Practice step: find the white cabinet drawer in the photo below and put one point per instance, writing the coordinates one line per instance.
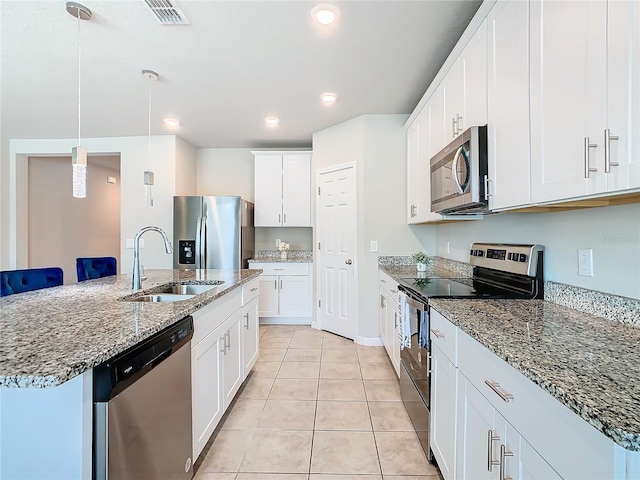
(250, 290)
(209, 317)
(389, 285)
(444, 335)
(282, 268)
(568, 443)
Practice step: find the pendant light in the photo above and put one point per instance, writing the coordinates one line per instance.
(151, 76)
(79, 153)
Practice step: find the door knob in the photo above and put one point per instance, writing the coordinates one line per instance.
(348, 262)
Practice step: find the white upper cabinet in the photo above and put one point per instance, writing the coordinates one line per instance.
(508, 105)
(419, 171)
(583, 97)
(464, 89)
(282, 189)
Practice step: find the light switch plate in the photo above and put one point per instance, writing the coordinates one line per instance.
(278, 240)
(374, 246)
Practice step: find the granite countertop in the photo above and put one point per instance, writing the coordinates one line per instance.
(588, 363)
(52, 335)
(273, 256)
(399, 271)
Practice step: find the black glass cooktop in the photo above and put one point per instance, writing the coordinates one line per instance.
(461, 288)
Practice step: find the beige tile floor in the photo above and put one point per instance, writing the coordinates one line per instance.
(316, 407)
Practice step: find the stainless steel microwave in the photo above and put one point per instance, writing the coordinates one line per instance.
(459, 174)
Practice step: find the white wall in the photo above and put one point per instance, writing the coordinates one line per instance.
(612, 232)
(62, 228)
(298, 238)
(225, 171)
(185, 168)
(377, 145)
(134, 157)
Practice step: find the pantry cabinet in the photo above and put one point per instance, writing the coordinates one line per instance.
(285, 292)
(584, 84)
(282, 189)
(508, 144)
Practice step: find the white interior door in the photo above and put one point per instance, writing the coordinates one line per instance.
(336, 233)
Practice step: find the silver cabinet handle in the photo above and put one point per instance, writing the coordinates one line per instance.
(486, 187)
(278, 269)
(437, 333)
(224, 345)
(587, 146)
(395, 319)
(490, 439)
(503, 454)
(382, 302)
(284, 218)
(280, 284)
(607, 150)
(394, 291)
(495, 386)
(275, 284)
(383, 281)
(458, 123)
(254, 289)
(246, 315)
(279, 218)
(227, 340)
(454, 127)
(348, 261)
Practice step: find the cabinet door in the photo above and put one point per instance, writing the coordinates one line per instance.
(250, 336)
(568, 97)
(394, 335)
(477, 454)
(268, 298)
(296, 190)
(268, 191)
(508, 105)
(295, 299)
(412, 170)
(442, 428)
(423, 169)
(232, 356)
(530, 466)
(452, 102)
(206, 388)
(384, 321)
(473, 76)
(437, 137)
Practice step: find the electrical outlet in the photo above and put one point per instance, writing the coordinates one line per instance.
(278, 240)
(585, 262)
(446, 246)
(374, 246)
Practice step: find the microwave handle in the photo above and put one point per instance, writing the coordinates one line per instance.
(454, 169)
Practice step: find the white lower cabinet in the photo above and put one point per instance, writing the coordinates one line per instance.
(442, 428)
(389, 319)
(224, 347)
(285, 292)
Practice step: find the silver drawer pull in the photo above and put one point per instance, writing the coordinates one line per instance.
(503, 454)
(254, 289)
(495, 386)
(490, 461)
(437, 333)
(394, 291)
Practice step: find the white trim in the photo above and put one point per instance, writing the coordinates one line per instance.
(369, 341)
(281, 152)
(286, 321)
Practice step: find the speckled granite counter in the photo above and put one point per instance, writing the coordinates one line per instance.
(50, 336)
(588, 363)
(273, 256)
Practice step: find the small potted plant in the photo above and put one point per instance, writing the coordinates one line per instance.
(422, 260)
(283, 247)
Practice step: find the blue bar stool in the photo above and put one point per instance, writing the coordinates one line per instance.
(18, 281)
(95, 267)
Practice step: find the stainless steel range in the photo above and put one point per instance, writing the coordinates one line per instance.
(500, 271)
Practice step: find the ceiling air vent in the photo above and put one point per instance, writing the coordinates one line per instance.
(166, 12)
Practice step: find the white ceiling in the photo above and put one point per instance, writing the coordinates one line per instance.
(237, 62)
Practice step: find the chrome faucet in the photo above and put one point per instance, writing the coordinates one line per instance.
(136, 283)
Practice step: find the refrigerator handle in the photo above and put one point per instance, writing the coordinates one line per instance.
(203, 242)
(199, 242)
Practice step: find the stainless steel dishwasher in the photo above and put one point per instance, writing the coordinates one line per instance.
(142, 410)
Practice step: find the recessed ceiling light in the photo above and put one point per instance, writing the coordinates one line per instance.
(171, 122)
(272, 121)
(328, 98)
(325, 14)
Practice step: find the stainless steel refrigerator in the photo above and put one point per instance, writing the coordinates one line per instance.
(212, 232)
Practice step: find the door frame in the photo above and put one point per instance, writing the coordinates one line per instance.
(317, 322)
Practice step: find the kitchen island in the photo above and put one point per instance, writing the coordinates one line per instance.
(50, 341)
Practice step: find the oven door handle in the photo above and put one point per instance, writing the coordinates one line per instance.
(413, 303)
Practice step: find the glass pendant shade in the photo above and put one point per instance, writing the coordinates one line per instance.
(79, 163)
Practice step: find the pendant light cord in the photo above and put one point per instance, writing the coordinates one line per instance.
(149, 129)
(79, 80)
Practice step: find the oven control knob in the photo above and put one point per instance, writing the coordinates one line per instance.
(523, 257)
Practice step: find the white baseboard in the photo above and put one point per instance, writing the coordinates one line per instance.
(285, 321)
(369, 341)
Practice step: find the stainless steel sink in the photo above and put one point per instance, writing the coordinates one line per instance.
(189, 289)
(164, 297)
